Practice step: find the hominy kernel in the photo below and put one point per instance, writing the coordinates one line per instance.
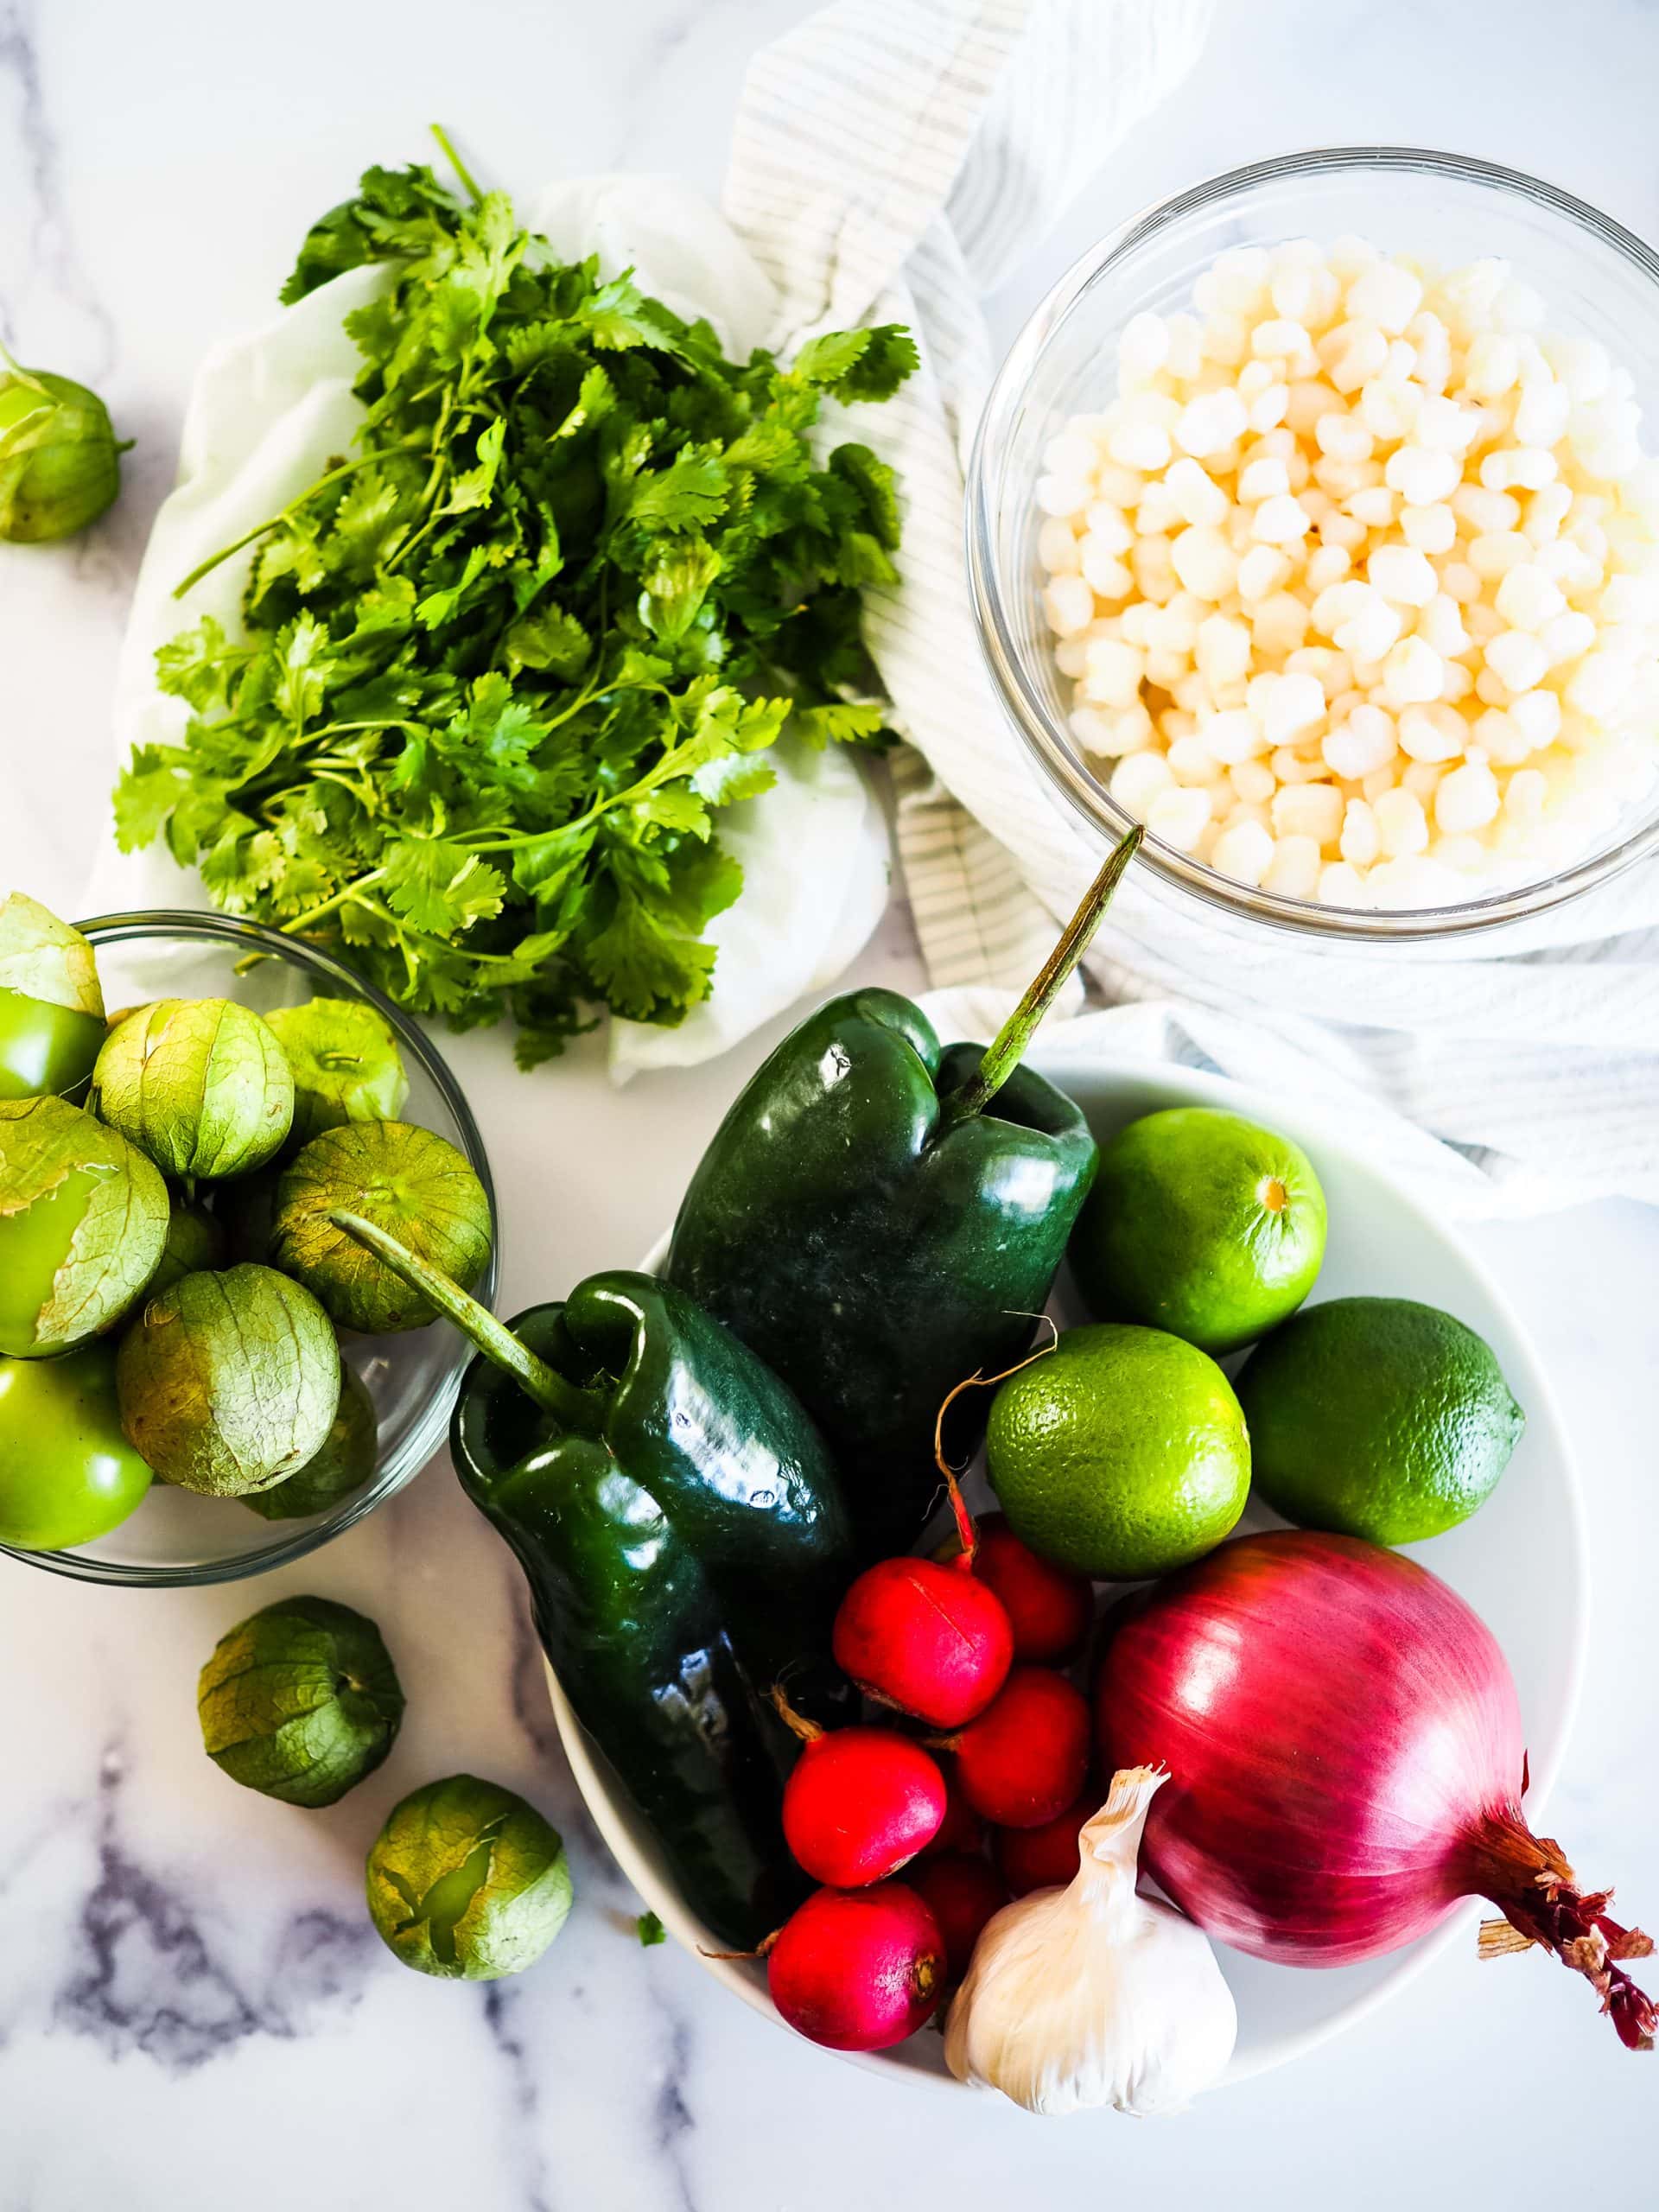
(1069, 605)
(1064, 495)
(1179, 817)
(1294, 872)
(1402, 576)
(1253, 781)
(1113, 673)
(1568, 636)
(1058, 548)
(1106, 575)
(1342, 885)
(1326, 565)
(1144, 346)
(1244, 850)
(1308, 810)
(1138, 779)
(1430, 529)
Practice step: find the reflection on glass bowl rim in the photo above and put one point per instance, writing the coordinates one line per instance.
(175, 1538)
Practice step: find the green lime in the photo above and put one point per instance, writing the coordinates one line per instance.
(1122, 1453)
(1203, 1224)
(1377, 1417)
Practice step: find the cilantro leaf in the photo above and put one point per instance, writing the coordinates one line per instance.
(691, 490)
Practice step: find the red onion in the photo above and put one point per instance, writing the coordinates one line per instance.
(1345, 1761)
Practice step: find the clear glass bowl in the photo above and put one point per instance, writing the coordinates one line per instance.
(1597, 280)
(176, 1537)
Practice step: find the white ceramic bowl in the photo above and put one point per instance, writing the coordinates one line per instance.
(1520, 1562)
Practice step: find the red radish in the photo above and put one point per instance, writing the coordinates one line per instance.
(1025, 1757)
(1049, 1607)
(859, 1803)
(961, 1829)
(1346, 1763)
(961, 1892)
(857, 1969)
(1044, 1857)
(925, 1635)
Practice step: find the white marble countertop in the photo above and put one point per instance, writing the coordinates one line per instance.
(193, 2012)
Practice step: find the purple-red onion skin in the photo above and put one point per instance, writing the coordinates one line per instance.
(1338, 1724)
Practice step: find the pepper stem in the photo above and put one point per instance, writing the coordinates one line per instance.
(577, 1408)
(1006, 1050)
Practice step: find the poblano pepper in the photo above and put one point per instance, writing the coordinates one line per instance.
(680, 1523)
(877, 1217)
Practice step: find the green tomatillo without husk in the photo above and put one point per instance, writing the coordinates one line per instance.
(344, 1464)
(407, 1181)
(200, 1084)
(68, 1475)
(60, 460)
(229, 1382)
(300, 1702)
(345, 1065)
(51, 1007)
(83, 1221)
(467, 1881)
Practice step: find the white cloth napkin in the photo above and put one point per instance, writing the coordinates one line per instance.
(894, 159)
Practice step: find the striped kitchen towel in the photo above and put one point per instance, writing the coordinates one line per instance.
(892, 160)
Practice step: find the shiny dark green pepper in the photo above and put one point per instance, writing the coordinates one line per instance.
(685, 1538)
(877, 1231)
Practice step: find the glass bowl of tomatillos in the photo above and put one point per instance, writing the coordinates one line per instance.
(203, 1375)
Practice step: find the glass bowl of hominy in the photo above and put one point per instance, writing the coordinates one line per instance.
(1313, 522)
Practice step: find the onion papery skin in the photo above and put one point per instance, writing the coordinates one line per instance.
(1343, 1737)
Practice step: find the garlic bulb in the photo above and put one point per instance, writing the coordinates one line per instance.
(1093, 1995)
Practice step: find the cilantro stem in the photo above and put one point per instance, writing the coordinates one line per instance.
(331, 476)
(340, 897)
(455, 162)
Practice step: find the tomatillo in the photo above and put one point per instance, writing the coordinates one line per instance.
(68, 1475)
(51, 1007)
(83, 1221)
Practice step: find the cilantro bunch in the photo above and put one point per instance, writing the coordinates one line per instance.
(503, 664)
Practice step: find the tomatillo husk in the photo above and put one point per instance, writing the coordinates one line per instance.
(199, 1084)
(405, 1180)
(83, 1222)
(344, 1464)
(467, 1881)
(300, 1702)
(59, 460)
(229, 1382)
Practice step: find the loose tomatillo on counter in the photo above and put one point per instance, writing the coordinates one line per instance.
(877, 1218)
(678, 1520)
